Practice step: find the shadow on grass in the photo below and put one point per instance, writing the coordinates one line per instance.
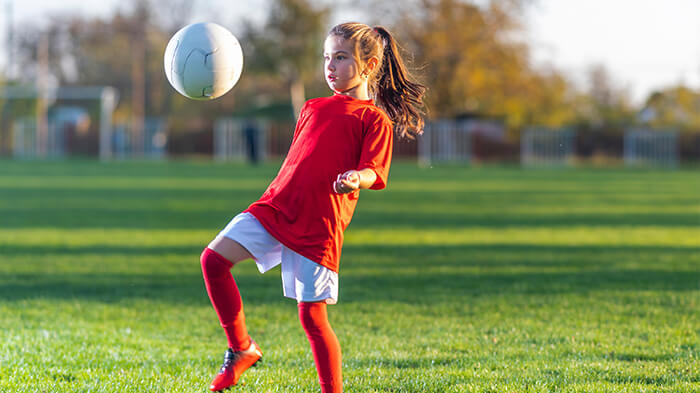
(639, 357)
(406, 363)
(212, 214)
(60, 250)
(441, 220)
(407, 274)
(182, 289)
(355, 257)
(496, 255)
(190, 208)
(654, 380)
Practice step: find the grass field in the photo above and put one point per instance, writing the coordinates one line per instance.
(452, 280)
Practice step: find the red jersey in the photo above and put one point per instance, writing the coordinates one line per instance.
(333, 135)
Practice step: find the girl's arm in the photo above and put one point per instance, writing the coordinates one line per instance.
(353, 180)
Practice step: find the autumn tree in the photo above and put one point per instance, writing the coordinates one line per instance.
(289, 45)
(605, 103)
(677, 106)
(473, 61)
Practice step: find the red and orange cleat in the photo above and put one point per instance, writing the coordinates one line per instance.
(235, 363)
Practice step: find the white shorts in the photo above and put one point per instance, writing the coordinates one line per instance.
(302, 278)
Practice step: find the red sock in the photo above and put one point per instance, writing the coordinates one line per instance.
(324, 345)
(225, 298)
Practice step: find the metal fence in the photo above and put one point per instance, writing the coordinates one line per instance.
(240, 139)
(646, 147)
(155, 139)
(445, 141)
(71, 130)
(546, 147)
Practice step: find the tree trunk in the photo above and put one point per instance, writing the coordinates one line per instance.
(296, 90)
(42, 107)
(138, 93)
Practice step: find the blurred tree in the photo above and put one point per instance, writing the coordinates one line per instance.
(604, 102)
(288, 45)
(136, 30)
(112, 51)
(677, 106)
(473, 60)
(471, 54)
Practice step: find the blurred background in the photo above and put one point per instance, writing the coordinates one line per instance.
(527, 82)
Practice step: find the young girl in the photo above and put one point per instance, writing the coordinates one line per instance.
(341, 144)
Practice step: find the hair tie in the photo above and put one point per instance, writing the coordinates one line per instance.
(385, 41)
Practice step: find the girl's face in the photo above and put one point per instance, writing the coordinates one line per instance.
(342, 70)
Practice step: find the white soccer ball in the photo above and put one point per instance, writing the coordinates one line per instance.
(203, 61)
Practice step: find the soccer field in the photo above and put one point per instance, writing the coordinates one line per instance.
(452, 280)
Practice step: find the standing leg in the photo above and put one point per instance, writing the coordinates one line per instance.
(324, 345)
(217, 260)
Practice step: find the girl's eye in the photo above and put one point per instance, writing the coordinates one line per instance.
(340, 57)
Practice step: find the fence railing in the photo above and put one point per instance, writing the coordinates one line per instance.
(646, 147)
(546, 147)
(444, 141)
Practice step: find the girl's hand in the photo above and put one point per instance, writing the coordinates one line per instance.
(347, 182)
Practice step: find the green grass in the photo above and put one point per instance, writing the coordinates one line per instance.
(452, 280)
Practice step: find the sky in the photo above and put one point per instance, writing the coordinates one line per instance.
(645, 44)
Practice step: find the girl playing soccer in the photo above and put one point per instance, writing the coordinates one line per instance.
(341, 144)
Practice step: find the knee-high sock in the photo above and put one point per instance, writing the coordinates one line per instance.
(225, 298)
(324, 345)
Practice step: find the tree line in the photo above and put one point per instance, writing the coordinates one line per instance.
(470, 55)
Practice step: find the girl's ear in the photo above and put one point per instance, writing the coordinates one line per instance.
(371, 65)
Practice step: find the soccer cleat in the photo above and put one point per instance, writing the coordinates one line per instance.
(235, 363)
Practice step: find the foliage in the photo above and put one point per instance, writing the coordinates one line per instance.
(471, 54)
(473, 62)
(604, 104)
(677, 107)
(289, 45)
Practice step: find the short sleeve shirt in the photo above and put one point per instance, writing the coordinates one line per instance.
(333, 135)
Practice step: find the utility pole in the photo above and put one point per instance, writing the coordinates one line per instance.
(7, 76)
(138, 78)
(42, 124)
(10, 40)
(138, 81)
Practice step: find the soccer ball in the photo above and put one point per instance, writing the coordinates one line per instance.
(203, 61)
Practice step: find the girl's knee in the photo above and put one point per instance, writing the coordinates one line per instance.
(313, 316)
(214, 264)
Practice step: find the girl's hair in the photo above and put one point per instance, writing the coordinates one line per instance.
(390, 82)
